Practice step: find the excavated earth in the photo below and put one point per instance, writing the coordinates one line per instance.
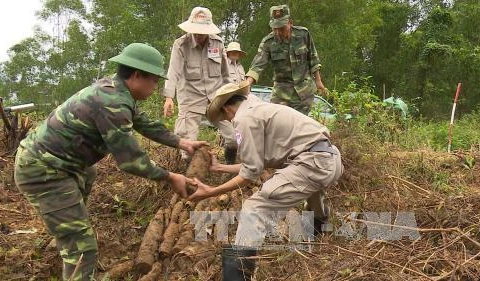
(441, 191)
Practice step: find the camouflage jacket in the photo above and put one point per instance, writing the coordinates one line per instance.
(294, 63)
(98, 120)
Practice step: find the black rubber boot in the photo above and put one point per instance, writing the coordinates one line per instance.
(321, 226)
(236, 265)
(230, 155)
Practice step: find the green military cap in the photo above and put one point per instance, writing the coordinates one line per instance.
(279, 16)
(142, 57)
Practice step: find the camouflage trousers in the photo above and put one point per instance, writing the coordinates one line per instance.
(60, 199)
(295, 102)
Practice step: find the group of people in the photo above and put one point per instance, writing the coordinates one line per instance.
(55, 164)
(199, 65)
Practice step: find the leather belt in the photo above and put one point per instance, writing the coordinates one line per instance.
(323, 146)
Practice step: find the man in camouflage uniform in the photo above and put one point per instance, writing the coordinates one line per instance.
(198, 67)
(54, 166)
(295, 61)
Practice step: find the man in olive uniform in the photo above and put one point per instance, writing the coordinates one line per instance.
(296, 66)
(234, 55)
(198, 67)
(270, 136)
(54, 166)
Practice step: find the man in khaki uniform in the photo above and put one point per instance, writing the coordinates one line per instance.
(198, 67)
(235, 54)
(270, 136)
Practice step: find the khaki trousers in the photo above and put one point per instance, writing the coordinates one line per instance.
(187, 125)
(307, 177)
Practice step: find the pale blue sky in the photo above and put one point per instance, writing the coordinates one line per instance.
(17, 19)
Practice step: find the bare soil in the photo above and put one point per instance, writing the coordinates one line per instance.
(442, 190)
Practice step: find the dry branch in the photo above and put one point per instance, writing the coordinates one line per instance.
(385, 261)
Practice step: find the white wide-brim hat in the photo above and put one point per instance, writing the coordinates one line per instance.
(200, 22)
(235, 46)
(222, 95)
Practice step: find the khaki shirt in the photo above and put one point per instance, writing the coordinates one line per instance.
(237, 73)
(270, 135)
(195, 73)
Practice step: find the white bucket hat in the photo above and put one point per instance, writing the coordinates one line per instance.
(235, 46)
(200, 22)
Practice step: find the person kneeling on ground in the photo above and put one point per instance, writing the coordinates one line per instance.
(270, 136)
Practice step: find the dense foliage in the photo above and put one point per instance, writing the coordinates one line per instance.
(418, 50)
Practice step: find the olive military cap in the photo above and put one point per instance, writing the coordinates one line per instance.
(279, 16)
(142, 57)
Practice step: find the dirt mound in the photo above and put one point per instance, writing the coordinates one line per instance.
(439, 189)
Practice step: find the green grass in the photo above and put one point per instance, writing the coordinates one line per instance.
(371, 119)
(209, 134)
(434, 134)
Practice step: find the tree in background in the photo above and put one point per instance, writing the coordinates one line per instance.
(418, 49)
(26, 74)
